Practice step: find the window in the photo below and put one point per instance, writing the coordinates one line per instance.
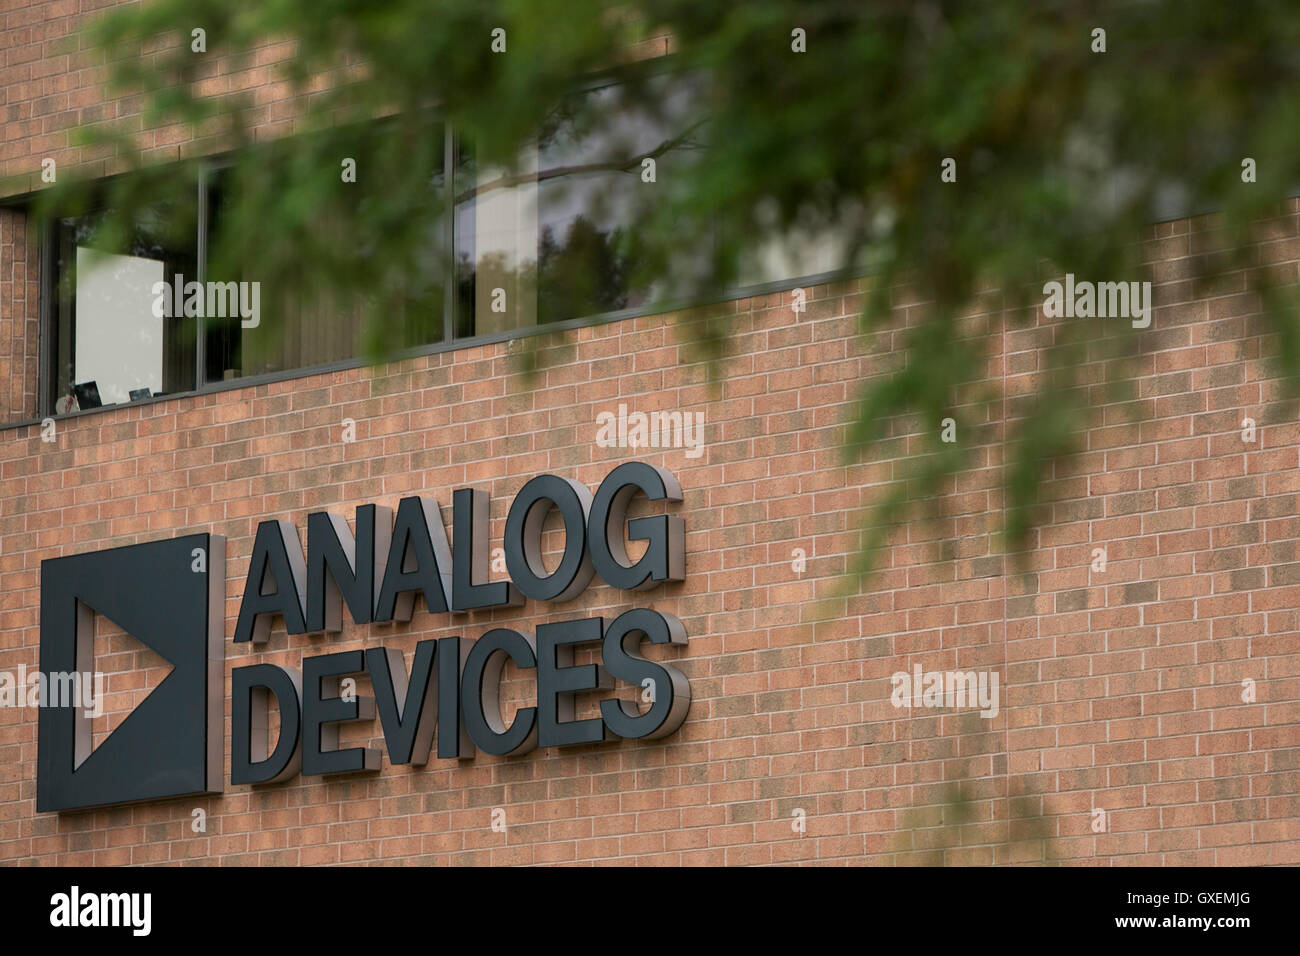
(110, 342)
(814, 249)
(155, 307)
(346, 231)
(544, 241)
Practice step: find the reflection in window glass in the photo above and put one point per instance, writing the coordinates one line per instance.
(545, 241)
(799, 252)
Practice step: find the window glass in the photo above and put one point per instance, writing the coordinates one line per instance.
(332, 291)
(800, 251)
(542, 239)
(116, 337)
(545, 240)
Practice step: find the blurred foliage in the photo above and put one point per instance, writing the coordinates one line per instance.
(1063, 156)
(958, 824)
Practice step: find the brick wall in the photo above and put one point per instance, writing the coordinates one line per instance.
(19, 315)
(52, 83)
(1120, 690)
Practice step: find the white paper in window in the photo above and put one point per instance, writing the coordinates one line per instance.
(119, 339)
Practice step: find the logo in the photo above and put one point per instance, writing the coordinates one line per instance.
(656, 429)
(211, 300)
(169, 595)
(1102, 300)
(446, 701)
(947, 689)
(75, 908)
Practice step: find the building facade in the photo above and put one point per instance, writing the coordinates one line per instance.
(1134, 687)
